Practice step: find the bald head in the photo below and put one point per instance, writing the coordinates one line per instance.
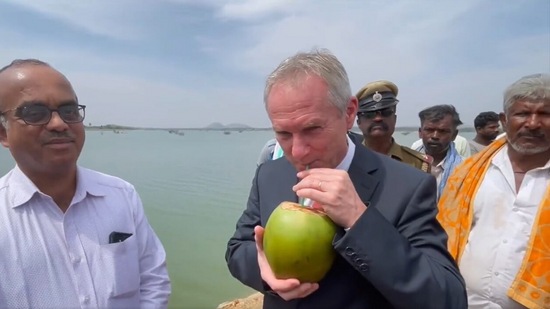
(22, 74)
(23, 62)
(4, 73)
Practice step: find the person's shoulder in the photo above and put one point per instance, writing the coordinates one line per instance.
(416, 144)
(96, 178)
(266, 153)
(418, 155)
(475, 147)
(460, 139)
(415, 154)
(270, 143)
(4, 180)
(475, 144)
(421, 160)
(394, 167)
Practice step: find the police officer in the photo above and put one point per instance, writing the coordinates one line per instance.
(376, 118)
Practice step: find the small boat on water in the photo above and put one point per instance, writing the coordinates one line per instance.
(226, 132)
(177, 132)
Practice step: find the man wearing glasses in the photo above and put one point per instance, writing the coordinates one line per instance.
(70, 237)
(376, 118)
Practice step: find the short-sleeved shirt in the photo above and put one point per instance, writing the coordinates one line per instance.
(475, 147)
(52, 259)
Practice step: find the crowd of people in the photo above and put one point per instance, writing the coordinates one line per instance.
(445, 223)
(439, 148)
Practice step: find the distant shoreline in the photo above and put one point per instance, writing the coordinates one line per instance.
(123, 128)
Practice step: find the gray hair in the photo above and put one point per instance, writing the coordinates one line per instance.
(319, 62)
(533, 88)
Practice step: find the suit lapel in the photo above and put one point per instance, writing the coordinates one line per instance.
(363, 173)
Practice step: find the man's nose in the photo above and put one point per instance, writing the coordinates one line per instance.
(534, 121)
(300, 148)
(56, 123)
(378, 116)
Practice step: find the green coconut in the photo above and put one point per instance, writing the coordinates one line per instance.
(298, 242)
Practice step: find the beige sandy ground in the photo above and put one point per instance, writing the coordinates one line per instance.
(253, 301)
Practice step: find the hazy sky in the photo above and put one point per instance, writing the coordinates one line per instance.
(188, 63)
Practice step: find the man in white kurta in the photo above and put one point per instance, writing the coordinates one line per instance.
(496, 204)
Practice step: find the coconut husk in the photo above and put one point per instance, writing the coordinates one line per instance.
(254, 301)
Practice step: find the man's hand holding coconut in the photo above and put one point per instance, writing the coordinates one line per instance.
(335, 196)
(287, 289)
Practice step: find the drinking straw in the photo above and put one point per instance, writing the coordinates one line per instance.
(303, 200)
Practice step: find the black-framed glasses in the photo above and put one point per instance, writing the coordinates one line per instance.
(385, 113)
(38, 114)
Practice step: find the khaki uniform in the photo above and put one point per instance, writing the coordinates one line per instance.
(410, 157)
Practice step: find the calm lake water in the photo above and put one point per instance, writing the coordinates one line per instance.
(194, 188)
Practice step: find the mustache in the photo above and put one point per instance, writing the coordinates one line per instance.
(534, 134)
(58, 135)
(434, 144)
(379, 125)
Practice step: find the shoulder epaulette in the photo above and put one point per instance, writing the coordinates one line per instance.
(427, 160)
(417, 154)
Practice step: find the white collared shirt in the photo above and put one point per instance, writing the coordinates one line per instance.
(437, 170)
(51, 259)
(502, 225)
(346, 162)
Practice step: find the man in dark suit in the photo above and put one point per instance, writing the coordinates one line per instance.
(391, 251)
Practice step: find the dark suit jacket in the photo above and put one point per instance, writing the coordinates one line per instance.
(395, 255)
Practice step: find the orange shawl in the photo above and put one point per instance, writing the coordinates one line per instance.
(531, 287)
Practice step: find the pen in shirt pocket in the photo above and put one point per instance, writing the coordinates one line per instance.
(115, 237)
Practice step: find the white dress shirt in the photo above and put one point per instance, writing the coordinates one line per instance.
(346, 162)
(437, 171)
(51, 259)
(503, 220)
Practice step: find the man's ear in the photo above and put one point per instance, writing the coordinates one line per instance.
(419, 130)
(351, 112)
(4, 136)
(503, 121)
